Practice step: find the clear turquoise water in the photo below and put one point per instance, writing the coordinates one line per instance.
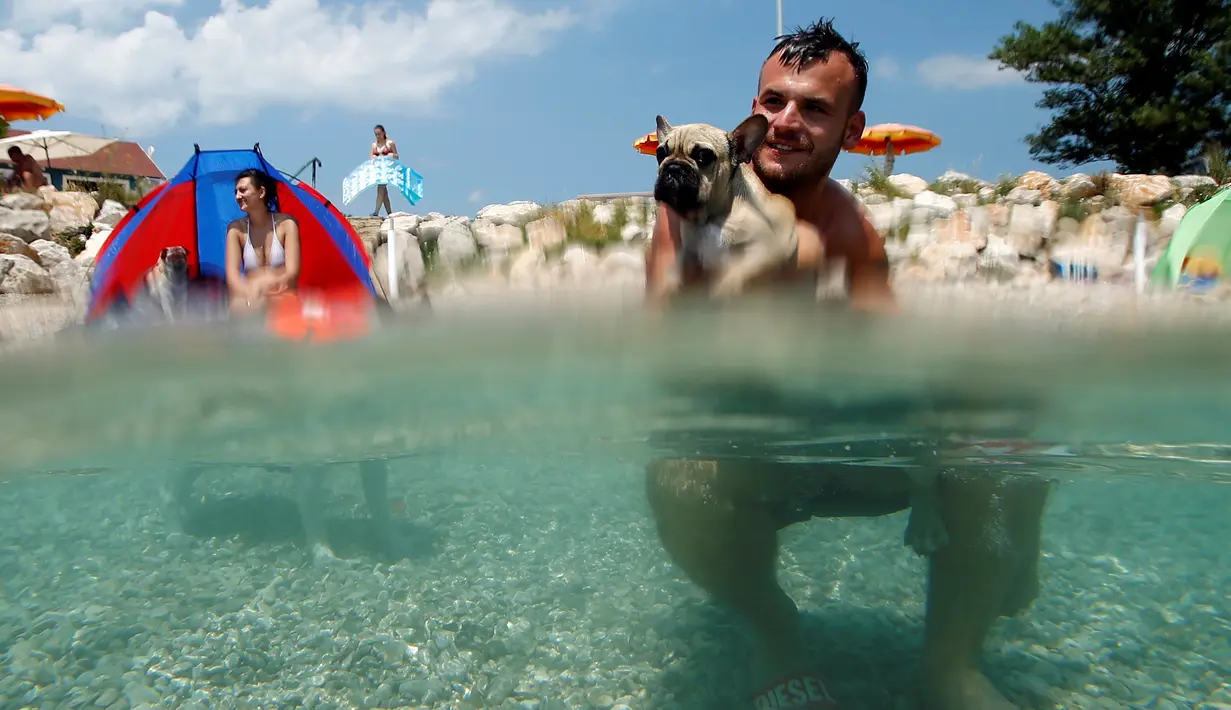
(534, 577)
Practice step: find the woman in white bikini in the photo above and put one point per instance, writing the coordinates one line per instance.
(383, 146)
(262, 248)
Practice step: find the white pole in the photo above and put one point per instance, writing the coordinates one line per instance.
(1139, 254)
(391, 251)
(779, 19)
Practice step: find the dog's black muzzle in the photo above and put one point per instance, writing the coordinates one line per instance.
(679, 186)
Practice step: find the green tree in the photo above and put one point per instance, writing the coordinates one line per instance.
(1144, 83)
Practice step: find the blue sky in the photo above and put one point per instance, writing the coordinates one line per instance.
(500, 100)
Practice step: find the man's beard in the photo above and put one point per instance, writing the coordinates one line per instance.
(812, 172)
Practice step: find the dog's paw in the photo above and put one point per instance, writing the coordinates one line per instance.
(925, 529)
(727, 286)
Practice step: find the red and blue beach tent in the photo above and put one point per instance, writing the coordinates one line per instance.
(193, 210)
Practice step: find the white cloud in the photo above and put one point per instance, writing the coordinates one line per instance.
(35, 15)
(957, 71)
(886, 68)
(477, 196)
(373, 56)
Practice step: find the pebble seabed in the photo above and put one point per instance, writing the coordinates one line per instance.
(524, 589)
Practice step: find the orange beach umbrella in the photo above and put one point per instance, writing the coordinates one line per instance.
(21, 105)
(891, 139)
(647, 144)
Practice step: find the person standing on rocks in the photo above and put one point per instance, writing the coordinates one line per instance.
(719, 519)
(381, 147)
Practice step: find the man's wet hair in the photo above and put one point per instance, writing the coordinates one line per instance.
(817, 42)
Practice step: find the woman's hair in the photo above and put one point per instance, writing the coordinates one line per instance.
(382, 128)
(262, 179)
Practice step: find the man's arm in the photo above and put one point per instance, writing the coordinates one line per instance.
(867, 267)
(661, 254)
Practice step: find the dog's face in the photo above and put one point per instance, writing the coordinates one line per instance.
(175, 260)
(696, 160)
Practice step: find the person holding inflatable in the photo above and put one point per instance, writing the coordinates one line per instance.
(262, 253)
(381, 147)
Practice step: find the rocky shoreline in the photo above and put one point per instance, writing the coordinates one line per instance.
(965, 238)
(955, 231)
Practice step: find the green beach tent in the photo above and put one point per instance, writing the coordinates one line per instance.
(1203, 234)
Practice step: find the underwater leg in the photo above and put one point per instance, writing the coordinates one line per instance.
(176, 494)
(727, 544)
(994, 524)
(374, 475)
(310, 495)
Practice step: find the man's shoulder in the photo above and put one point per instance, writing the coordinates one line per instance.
(847, 211)
(839, 214)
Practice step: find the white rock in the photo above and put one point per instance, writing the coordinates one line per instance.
(72, 279)
(492, 237)
(109, 215)
(514, 213)
(50, 252)
(1024, 196)
(633, 231)
(578, 262)
(1192, 182)
(68, 219)
(1077, 186)
(603, 213)
(909, 184)
(951, 178)
(23, 201)
(526, 268)
(936, 205)
(21, 275)
(623, 259)
(1170, 220)
(29, 225)
(1026, 229)
(966, 201)
(455, 244)
(92, 246)
(999, 259)
(434, 224)
(408, 260)
(545, 233)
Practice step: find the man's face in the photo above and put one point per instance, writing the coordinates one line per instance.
(808, 117)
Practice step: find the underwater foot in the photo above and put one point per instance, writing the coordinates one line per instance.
(323, 558)
(783, 676)
(966, 690)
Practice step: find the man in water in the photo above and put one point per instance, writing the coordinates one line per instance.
(719, 519)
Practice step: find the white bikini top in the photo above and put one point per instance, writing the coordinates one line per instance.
(277, 257)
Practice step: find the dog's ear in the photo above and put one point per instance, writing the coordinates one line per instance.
(663, 128)
(163, 255)
(747, 137)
